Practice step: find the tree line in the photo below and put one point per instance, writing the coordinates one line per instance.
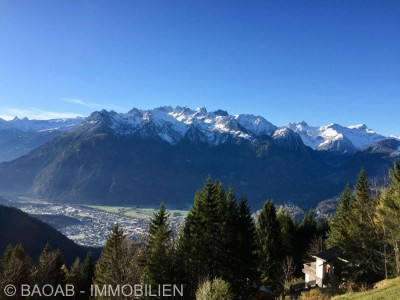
(16, 268)
(221, 244)
(226, 252)
(366, 227)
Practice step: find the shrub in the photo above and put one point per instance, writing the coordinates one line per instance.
(216, 289)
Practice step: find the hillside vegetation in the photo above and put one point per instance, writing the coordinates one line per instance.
(389, 290)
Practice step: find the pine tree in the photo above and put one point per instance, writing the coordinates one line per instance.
(287, 231)
(202, 231)
(203, 243)
(116, 265)
(306, 231)
(246, 265)
(158, 250)
(339, 234)
(230, 216)
(388, 215)
(87, 273)
(74, 276)
(159, 219)
(50, 268)
(269, 247)
(6, 255)
(363, 245)
(16, 268)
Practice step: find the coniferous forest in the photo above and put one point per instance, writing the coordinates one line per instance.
(226, 252)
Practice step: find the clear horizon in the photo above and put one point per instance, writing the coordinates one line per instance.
(322, 63)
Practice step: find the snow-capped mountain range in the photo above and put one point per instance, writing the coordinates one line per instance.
(27, 125)
(172, 124)
(150, 156)
(334, 137)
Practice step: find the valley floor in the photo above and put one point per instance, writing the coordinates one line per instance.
(90, 225)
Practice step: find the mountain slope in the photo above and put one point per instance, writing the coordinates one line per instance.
(101, 161)
(146, 157)
(19, 136)
(17, 227)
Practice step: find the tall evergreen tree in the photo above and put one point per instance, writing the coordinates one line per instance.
(388, 214)
(304, 233)
(116, 265)
(50, 268)
(287, 231)
(363, 244)
(74, 276)
(87, 273)
(160, 219)
(158, 252)
(16, 269)
(81, 275)
(339, 234)
(269, 247)
(246, 244)
(209, 246)
(230, 216)
(203, 234)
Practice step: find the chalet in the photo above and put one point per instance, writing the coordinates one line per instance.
(317, 272)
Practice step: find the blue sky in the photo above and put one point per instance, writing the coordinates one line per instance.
(318, 61)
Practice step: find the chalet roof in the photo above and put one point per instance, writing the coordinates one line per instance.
(329, 254)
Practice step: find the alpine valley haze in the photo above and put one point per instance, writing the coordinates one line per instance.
(145, 157)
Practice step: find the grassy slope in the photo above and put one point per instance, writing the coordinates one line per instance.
(388, 291)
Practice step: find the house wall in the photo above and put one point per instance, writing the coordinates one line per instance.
(320, 271)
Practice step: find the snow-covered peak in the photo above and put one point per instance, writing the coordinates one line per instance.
(333, 137)
(358, 126)
(282, 132)
(394, 137)
(288, 138)
(255, 124)
(27, 125)
(172, 124)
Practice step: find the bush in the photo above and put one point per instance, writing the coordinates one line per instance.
(216, 289)
(314, 294)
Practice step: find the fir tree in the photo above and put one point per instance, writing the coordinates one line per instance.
(269, 247)
(203, 234)
(16, 268)
(339, 234)
(74, 276)
(246, 244)
(287, 231)
(158, 252)
(363, 244)
(388, 215)
(206, 239)
(159, 219)
(116, 265)
(230, 216)
(87, 273)
(305, 232)
(50, 268)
